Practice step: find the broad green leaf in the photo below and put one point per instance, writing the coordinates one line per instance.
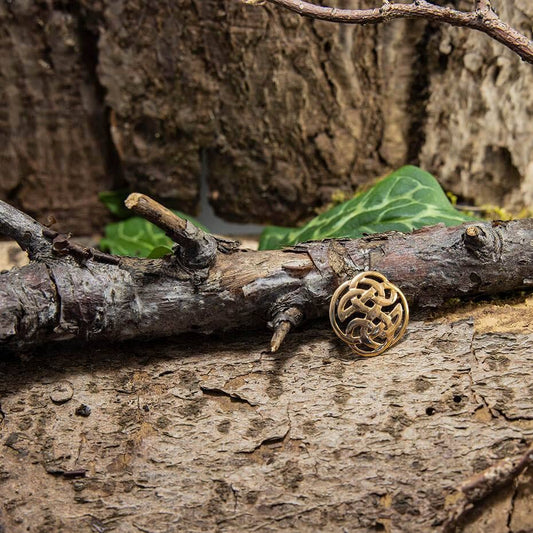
(159, 252)
(139, 238)
(134, 237)
(273, 237)
(407, 199)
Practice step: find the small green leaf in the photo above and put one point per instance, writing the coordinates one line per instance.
(407, 199)
(159, 252)
(114, 201)
(134, 237)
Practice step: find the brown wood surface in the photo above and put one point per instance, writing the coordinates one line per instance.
(217, 434)
(220, 434)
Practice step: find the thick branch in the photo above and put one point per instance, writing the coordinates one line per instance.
(483, 19)
(62, 297)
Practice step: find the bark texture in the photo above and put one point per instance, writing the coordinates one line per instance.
(479, 112)
(217, 435)
(288, 110)
(55, 150)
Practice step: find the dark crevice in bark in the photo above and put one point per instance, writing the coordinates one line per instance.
(501, 413)
(57, 294)
(269, 441)
(88, 34)
(511, 508)
(419, 94)
(232, 396)
(477, 395)
(323, 63)
(380, 119)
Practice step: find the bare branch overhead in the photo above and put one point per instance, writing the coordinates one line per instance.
(482, 19)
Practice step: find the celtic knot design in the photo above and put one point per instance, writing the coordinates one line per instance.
(369, 313)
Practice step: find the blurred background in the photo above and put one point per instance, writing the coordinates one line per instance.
(251, 112)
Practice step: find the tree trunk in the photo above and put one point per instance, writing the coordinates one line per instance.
(478, 119)
(56, 153)
(287, 110)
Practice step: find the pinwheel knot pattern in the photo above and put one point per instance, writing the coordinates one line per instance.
(369, 313)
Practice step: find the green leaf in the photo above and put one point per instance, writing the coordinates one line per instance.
(134, 237)
(139, 238)
(407, 199)
(114, 201)
(159, 252)
(273, 237)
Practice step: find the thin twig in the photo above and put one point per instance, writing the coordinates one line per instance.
(281, 331)
(41, 242)
(482, 19)
(485, 483)
(283, 320)
(164, 218)
(197, 249)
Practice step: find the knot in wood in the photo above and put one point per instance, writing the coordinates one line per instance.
(483, 242)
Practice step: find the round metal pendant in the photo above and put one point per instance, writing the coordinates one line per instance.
(369, 313)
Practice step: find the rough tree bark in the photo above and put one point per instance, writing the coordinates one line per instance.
(480, 146)
(55, 149)
(219, 435)
(337, 105)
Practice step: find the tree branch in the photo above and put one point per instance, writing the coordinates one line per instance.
(483, 19)
(59, 297)
(196, 249)
(483, 484)
(25, 230)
